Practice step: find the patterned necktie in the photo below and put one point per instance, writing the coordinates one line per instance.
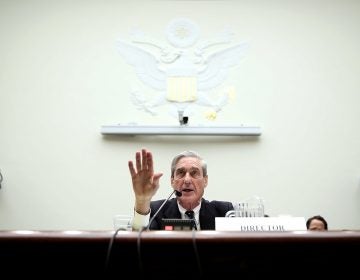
(190, 215)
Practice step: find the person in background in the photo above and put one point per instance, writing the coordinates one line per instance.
(316, 223)
(189, 177)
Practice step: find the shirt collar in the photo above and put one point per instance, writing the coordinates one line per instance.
(183, 210)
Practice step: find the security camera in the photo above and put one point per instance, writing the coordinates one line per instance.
(182, 119)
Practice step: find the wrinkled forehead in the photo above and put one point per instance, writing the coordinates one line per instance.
(188, 162)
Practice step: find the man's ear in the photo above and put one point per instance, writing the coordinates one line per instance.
(206, 181)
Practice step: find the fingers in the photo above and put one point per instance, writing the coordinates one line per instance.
(150, 164)
(144, 162)
(138, 161)
(131, 168)
(156, 178)
(144, 159)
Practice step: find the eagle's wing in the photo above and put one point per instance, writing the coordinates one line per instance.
(217, 66)
(146, 65)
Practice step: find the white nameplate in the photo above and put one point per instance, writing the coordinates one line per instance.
(260, 224)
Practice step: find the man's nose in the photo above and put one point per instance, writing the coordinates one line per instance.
(187, 178)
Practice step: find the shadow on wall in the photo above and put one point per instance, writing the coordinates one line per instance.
(1, 178)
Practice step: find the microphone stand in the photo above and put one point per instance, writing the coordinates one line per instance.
(178, 194)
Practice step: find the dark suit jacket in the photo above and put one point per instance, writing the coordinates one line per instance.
(208, 211)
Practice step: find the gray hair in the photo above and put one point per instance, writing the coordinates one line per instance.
(188, 154)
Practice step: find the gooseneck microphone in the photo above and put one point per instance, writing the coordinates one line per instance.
(177, 193)
(107, 262)
(141, 270)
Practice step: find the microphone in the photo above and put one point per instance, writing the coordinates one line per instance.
(177, 193)
(107, 262)
(141, 269)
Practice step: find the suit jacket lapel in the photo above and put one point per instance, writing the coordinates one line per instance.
(172, 211)
(207, 216)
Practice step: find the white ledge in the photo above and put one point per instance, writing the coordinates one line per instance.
(181, 130)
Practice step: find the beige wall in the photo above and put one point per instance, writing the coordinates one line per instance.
(61, 79)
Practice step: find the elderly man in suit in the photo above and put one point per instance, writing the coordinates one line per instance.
(189, 179)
